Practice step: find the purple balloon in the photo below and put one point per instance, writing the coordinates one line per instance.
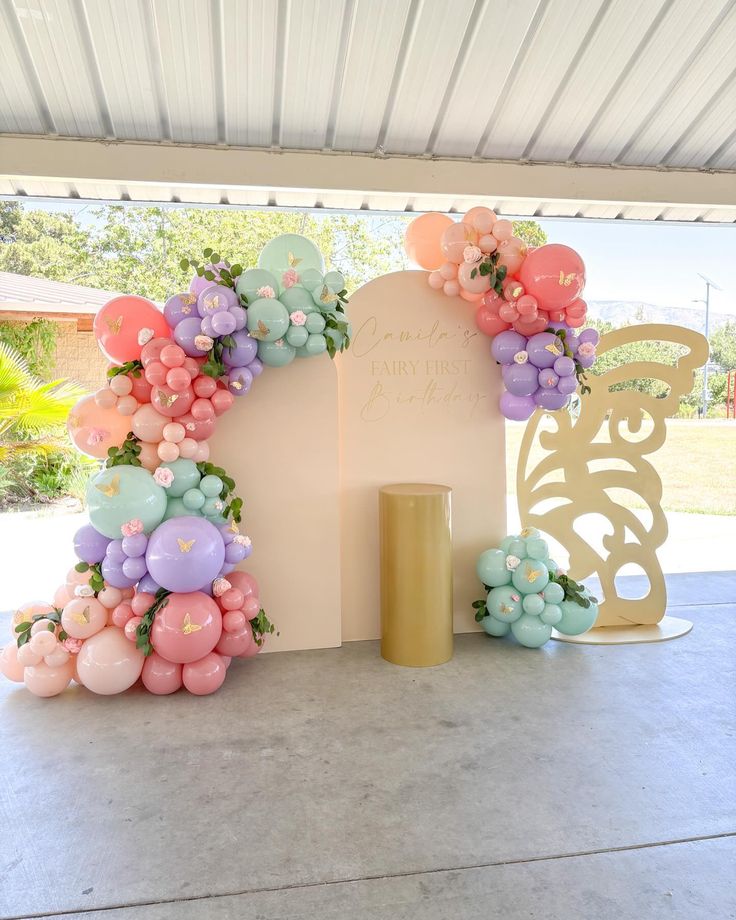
(572, 341)
(239, 381)
(244, 351)
(206, 326)
(516, 408)
(135, 567)
(255, 367)
(506, 344)
(234, 553)
(135, 545)
(115, 552)
(241, 317)
(114, 575)
(520, 379)
(547, 378)
(543, 349)
(186, 332)
(216, 297)
(551, 400)
(585, 361)
(226, 532)
(178, 308)
(568, 384)
(90, 544)
(223, 323)
(148, 585)
(589, 335)
(564, 366)
(199, 283)
(226, 569)
(185, 553)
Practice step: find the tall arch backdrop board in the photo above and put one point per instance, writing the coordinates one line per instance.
(418, 398)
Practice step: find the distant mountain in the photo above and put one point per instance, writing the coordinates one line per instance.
(621, 312)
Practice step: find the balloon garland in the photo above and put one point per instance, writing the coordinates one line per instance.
(528, 299)
(155, 594)
(527, 594)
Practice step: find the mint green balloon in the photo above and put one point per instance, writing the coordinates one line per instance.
(290, 251)
(175, 507)
(309, 278)
(554, 593)
(296, 298)
(495, 627)
(335, 281)
(316, 344)
(530, 576)
(337, 338)
(253, 279)
(531, 631)
(268, 319)
(186, 477)
(302, 352)
(193, 499)
(504, 603)
(217, 519)
(297, 336)
(211, 507)
(533, 604)
(210, 487)
(551, 615)
(121, 493)
(276, 354)
(491, 568)
(537, 548)
(315, 323)
(577, 619)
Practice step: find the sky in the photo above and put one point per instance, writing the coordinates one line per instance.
(652, 262)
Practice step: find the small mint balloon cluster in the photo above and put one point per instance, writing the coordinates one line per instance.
(527, 595)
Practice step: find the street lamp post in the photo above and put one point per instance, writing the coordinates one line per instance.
(708, 285)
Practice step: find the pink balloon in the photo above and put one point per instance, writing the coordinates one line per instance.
(178, 379)
(168, 451)
(236, 643)
(448, 271)
(233, 621)
(131, 627)
(199, 430)
(232, 599)
(148, 424)
(527, 305)
(508, 312)
(251, 606)
(121, 614)
(511, 256)
(202, 410)
(480, 218)
(108, 663)
(435, 280)
(156, 374)
(469, 276)
(451, 288)
(578, 308)
(169, 403)
(118, 324)
(141, 389)
(110, 597)
(575, 322)
(221, 400)
(205, 386)
(160, 676)
(528, 327)
(205, 675)
(245, 582)
(10, 667)
(554, 274)
(512, 289)
(489, 322)
(44, 680)
(151, 351)
(105, 398)
(454, 240)
(82, 617)
(95, 430)
(187, 628)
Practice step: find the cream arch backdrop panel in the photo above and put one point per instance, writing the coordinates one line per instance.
(419, 397)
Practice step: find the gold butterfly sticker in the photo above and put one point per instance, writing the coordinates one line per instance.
(185, 545)
(109, 488)
(293, 261)
(83, 617)
(261, 332)
(214, 302)
(233, 528)
(114, 325)
(553, 348)
(188, 299)
(166, 400)
(187, 627)
(566, 280)
(74, 422)
(327, 296)
(531, 574)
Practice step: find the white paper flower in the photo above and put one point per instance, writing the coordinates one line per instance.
(83, 591)
(521, 357)
(242, 540)
(145, 336)
(472, 254)
(220, 586)
(512, 562)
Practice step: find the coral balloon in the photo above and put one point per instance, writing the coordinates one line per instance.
(236, 643)
(422, 239)
(108, 663)
(488, 321)
(554, 274)
(187, 628)
(117, 327)
(94, 430)
(204, 676)
(160, 676)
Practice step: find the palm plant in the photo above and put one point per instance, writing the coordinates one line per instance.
(31, 415)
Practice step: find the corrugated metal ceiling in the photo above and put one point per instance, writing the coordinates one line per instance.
(614, 82)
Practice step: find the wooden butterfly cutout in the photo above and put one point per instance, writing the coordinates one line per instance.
(166, 400)
(185, 545)
(293, 261)
(187, 627)
(114, 325)
(261, 332)
(566, 280)
(109, 488)
(82, 618)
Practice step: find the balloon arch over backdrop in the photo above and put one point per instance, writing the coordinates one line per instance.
(156, 594)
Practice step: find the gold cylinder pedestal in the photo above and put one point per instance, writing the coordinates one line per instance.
(416, 574)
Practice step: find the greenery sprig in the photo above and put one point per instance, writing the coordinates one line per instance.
(143, 632)
(134, 368)
(233, 504)
(573, 590)
(214, 366)
(96, 581)
(579, 369)
(23, 630)
(480, 608)
(262, 626)
(488, 265)
(337, 321)
(126, 454)
(227, 275)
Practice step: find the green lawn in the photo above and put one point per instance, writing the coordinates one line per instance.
(697, 465)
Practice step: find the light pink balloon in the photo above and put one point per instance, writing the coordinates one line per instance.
(435, 280)
(82, 617)
(148, 424)
(160, 676)
(188, 448)
(448, 271)
(482, 219)
(44, 680)
(43, 643)
(110, 597)
(10, 667)
(27, 657)
(168, 451)
(469, 276)
(205, 675)
(187, 628)
(451, 288)
(62, 596)
(57, 657)
(174, 432)
(471, 298)
(107, 663)
(105, 398)
(120, 385)
(127, 405)
(202, 453)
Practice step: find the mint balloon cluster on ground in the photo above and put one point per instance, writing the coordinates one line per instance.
(528, 595)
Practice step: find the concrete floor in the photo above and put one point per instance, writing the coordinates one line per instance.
(573, 782)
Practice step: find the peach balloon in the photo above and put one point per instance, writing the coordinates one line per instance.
(105, 398)
(469, 276)
(82, 617)
(149, 456)
(43, 643)
(470, 297)
(74, 578)
(10, 667)
(503, 230)
(451, 288)
(160, 676)
(188, 448)
(43, 680)
(40, 626)
(435, 280)
(482, 219)
(118, 324)
(510, 256)
(57, 656)
(27, 611)
(27, 657)
(110, 597)
(487, 243)
(448, 270)
(62, 596)
(148, 424)
(204, 676)
(422, 239)
(454, 240)
(108, 663)
(94, 430)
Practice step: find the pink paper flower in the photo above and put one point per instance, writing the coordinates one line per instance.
(72, 646)
(298, 318)
(586, 349)
(132, 527)
(289, 278)
(220, 586)
(97, 435)
(163, 476)
(203, 342)
(472, 254)
(266, 291)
